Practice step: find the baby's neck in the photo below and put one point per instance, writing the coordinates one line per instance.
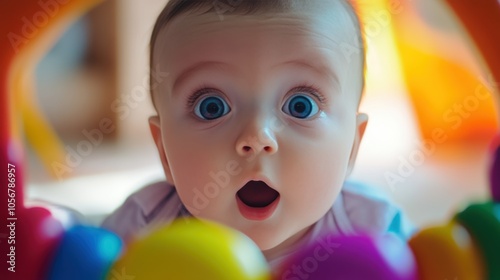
(286, 247)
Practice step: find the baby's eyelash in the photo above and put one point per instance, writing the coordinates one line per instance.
(308, 88)
(197, 94)
(313, 90)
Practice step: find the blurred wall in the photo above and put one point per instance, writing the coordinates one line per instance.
(135, 21)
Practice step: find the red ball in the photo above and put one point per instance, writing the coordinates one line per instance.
(38, 234)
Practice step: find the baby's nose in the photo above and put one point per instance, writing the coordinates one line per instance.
(256, 141)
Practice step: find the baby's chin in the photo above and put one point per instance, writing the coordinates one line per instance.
(276, 243)
(267, 242)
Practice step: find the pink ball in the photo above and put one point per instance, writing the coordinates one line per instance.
(38, 234)
(352, 257)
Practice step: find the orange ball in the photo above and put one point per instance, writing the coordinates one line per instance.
(447, 252)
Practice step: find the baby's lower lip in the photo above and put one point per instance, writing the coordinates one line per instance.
(257, 213)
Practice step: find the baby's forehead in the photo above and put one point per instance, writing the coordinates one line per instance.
(336, 17)
(332, 22)
(332, 25)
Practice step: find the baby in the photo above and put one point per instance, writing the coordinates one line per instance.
(258, 123)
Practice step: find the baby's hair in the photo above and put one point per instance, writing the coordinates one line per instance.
(239, 7)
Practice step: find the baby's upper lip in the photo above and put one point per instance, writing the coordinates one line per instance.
(258, 177)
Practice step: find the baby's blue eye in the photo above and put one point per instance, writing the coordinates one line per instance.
(211, 108)
(300, 106)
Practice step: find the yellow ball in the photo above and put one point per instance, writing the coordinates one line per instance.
(447, 252)
(193, 249)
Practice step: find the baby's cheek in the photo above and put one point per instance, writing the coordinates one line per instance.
(313, 196)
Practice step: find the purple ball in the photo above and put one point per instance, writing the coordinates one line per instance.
(352, 257)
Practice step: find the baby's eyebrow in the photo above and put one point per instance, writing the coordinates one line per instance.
(213, 65)
(321, 69)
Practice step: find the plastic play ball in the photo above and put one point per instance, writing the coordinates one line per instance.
(192, 249)
(38, 234)
(447, 252)
(85, 253)
(352, 257)
(483, 223)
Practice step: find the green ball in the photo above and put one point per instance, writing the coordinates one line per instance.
(483, 223)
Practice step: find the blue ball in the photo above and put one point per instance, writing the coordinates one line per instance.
(85, 253)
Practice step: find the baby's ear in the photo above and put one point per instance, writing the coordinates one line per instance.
(361, 122)
(155, 127)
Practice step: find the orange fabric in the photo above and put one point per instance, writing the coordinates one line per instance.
(482, 20)
(446, 92)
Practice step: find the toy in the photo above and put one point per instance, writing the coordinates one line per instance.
(483, 222)
(468, 246)
(431, 69)
(27, 32)
(85, 253)
(476, 19)
(193, 249)
(352, 257)
(447, 252)
(37, 233)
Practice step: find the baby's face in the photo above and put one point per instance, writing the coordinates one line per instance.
(258, 124)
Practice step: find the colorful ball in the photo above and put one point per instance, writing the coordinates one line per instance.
(193, 249)
(37, 235)
(447, 252)
(85, 253)
(483, 223)
(352, 257)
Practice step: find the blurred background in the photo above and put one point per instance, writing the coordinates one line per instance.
(432, 114)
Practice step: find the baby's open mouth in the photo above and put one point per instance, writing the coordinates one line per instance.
(256, 200)
(257, 194)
